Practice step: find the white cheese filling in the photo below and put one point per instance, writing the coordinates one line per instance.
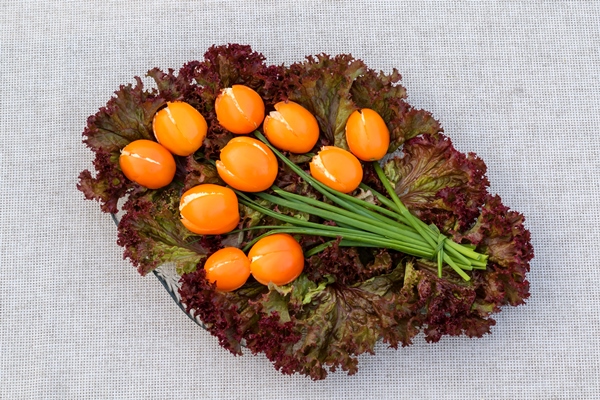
(217, 265)
(135, 155)
(318, 163)
(193, 196)
(169, 115)
(276, 115)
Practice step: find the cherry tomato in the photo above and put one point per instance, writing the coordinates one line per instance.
(277, 258)
(247, 164)
(209, 209)
(367, 135)
(180, 128)
(239, 109)
(228, 268)
(147, 163)
(337, 168)
(291, 127)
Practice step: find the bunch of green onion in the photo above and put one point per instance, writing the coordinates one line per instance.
(360, 223)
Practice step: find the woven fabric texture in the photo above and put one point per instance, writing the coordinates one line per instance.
(516, 82)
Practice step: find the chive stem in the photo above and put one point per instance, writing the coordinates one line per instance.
(347, 218)
(357, 237)
(342, 243)
(413, 221)
(384, 224)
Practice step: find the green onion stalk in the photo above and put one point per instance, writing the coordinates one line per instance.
(360, 223)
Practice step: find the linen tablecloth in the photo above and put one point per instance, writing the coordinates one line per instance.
(516, 82)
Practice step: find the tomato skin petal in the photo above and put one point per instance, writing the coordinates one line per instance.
(367, 135)
(228, 268)
(337, 168)
(291, 127)
(239, 109)
(147, 163)
(247, 164)
(276, 258)
(180, 128)
(209, 209)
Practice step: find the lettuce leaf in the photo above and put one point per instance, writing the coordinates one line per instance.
(334, 87)
(438, 183)
(126, 117)
(500, 233)
(315, 328)
(227, 315)
(152, 233)
(302, 327)
(322, 84)
(385, 95)
(349, 265)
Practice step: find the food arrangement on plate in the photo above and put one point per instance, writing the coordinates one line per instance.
(310, 210)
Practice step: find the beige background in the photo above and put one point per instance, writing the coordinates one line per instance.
(516, 82)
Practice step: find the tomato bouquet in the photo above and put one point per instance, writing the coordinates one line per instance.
(265, 186)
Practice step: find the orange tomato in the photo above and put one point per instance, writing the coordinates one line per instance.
(180, 128)
(228, 268)
(367, 135)
(147, 163)
(247, 164)
(337, 168)
(291, 127)
(209, 209)
(277, 258)
(239, 109)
